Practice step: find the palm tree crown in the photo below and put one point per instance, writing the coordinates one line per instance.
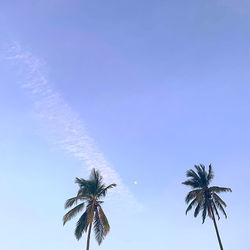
(203, 197)
(89, 194)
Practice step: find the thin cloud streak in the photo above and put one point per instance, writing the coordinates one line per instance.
(67, 129)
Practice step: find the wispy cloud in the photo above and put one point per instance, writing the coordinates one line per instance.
(67, 129)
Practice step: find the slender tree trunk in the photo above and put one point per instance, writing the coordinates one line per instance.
(216, 228)
(88, 240)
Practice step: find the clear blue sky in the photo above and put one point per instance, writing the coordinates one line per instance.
(158, 85)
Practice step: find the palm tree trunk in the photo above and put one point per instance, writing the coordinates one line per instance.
(88, 240)
(216, 228)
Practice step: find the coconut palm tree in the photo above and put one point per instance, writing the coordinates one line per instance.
(90, 192)
(204, 197)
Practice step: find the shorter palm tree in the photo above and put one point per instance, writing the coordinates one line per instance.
(89, 193)
(203, 197)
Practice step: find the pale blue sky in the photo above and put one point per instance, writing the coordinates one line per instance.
(158, 85)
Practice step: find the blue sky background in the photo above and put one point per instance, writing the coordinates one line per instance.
(159, 86)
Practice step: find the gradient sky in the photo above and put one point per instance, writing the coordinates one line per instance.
(156, 86)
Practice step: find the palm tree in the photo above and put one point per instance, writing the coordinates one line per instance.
(89, 193)
(203, 197)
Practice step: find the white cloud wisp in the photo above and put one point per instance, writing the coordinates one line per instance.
(67, 129)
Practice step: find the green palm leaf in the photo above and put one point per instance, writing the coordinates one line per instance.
(204, 213)
(98, 227)
(192, 183)
(190, 206)
(72, 213)
(191, 173)
(104, 191)
(192, 194)
(216, 189)
(81, 225)
(70, 202)
(219, 203)
(197, 210)
(210, 175)
(218, 199)
(104, 221)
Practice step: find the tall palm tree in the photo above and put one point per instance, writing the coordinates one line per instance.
(89, 193)
(204, 197)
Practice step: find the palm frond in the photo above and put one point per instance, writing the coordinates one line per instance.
(191, 183)
(72, 213)
(90, 187)
(70, 202)
(81, 225)
(218, 199)
(199, 170)
(204, 213)
(104, 191)
(216, 189)
(98, 227)
(200, 196)
(197, 210)
(81, 182)
(95, 176)
(192, 203)
(191, 173)
(84, 193)
(104, 221)
(202, 174)
(91, 213)
(192, 194)
(218, 203)
(210, 175)
(215, 209)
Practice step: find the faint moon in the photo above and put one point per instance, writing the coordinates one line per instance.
(135, 182)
